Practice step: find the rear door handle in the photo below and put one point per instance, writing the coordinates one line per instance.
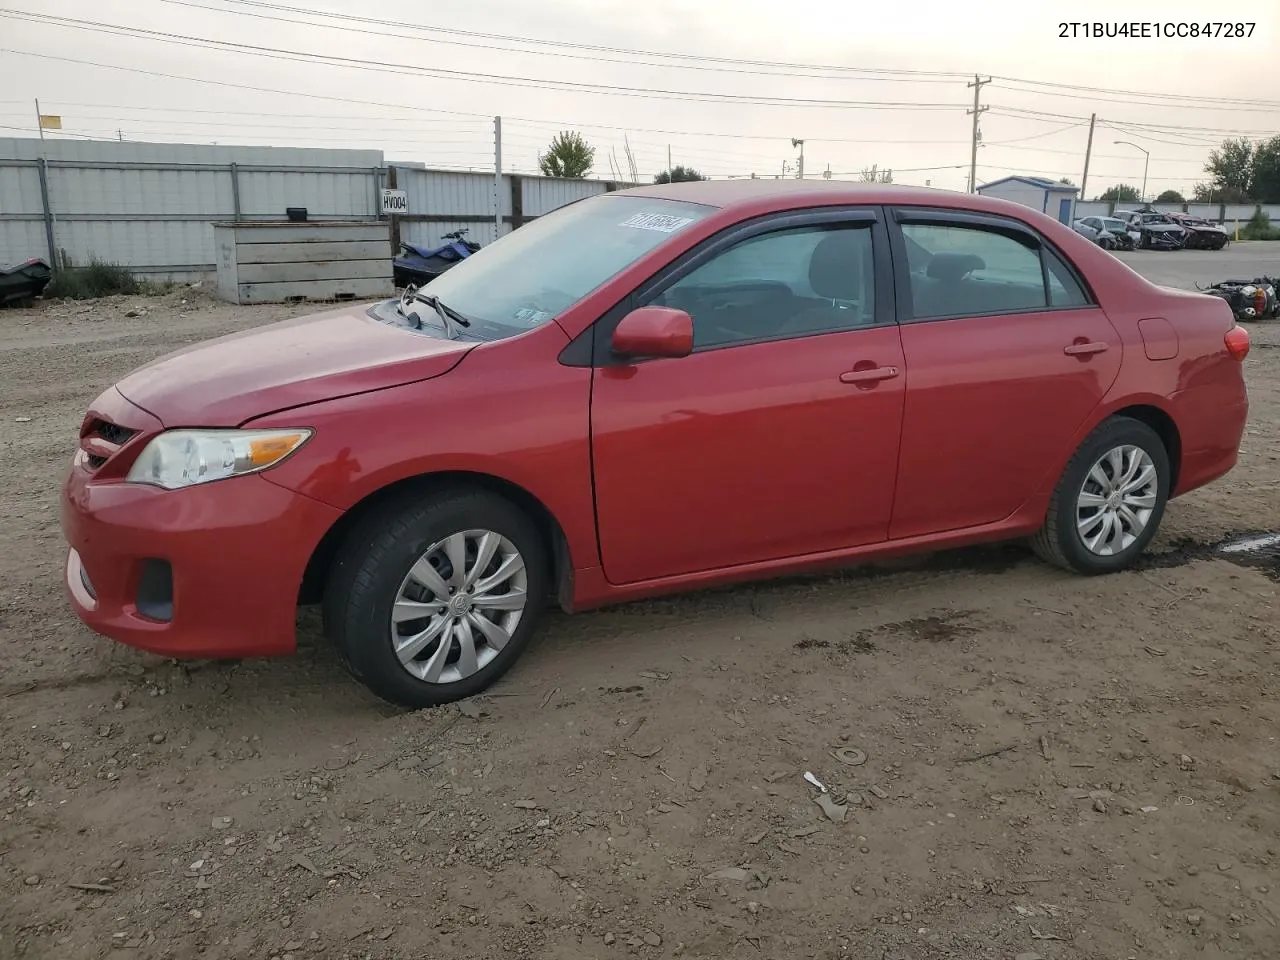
(1085, 349)
(869, 376)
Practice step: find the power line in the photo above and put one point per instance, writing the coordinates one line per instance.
(1180, 105)
(484, 120)
(470, 76)
(593, 57)
(1141, 93)
(400, 27)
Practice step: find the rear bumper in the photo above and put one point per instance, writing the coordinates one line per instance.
(209, 571)
(1211, 438)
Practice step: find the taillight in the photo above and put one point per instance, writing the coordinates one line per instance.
(1237, 341)
(1260, 300)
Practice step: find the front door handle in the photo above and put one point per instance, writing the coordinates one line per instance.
(1085, 349)
(872, 375)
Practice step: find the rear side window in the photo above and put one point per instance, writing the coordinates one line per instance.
(962, 271)
(1064, 289)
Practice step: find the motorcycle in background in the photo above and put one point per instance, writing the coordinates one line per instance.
(418, 264)
(1254, 299)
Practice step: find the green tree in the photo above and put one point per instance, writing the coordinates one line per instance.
(569, 156)
(1208, 193)
(678, 174)
(1171, 196)
(1120, 193)
(1264, 177)
(1066, 181)
(1230, 166)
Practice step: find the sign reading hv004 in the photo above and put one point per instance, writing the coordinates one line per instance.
(393, 201)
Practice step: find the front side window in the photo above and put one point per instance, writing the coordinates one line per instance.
(789, 283)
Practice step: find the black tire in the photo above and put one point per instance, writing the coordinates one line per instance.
(1059, 541)
(373, 561)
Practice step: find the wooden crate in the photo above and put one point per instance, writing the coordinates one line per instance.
(284, 261)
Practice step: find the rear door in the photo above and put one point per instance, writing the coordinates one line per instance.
(778, 436)
(1008, 354)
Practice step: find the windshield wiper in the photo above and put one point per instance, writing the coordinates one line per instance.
(449, 318)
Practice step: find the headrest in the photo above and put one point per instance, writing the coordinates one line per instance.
(835, 269)
(953, 266)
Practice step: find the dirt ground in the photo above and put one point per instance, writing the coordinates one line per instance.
(1055, 767)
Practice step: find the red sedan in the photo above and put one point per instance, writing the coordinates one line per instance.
(645, 392)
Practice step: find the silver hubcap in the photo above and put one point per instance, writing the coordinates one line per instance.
(458, 606)
(1116, 500)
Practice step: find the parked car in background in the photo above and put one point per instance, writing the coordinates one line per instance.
(647, 391)
(1201, 234)
(1153, 230)
(1107, 232)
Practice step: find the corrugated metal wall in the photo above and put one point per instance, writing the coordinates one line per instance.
(151, 206)
(441, 202)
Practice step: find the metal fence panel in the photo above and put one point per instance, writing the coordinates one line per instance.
(1092, 208)
(20, 191)
(266, 194)
(20, 239)
(150, 206)
(544, 195)
(445, 193)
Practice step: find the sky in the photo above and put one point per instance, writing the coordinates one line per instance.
(861, 84)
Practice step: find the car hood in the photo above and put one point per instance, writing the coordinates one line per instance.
(231, 379)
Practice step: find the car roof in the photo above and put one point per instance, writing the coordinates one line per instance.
(749, 197)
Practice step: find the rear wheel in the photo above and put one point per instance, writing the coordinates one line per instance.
(1109, 501)
(432, 600)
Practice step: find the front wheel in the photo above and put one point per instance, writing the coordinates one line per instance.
(1109, 501)
(431, 599)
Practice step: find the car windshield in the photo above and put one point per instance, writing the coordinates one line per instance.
(1115, 226)
(540, 270)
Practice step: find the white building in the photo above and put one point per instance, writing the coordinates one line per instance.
(1055, 199)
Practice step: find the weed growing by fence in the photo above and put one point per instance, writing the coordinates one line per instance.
(97, 279)
(1259, 228)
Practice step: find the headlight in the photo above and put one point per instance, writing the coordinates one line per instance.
(182, 458)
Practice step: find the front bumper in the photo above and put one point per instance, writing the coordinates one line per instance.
(209, 571)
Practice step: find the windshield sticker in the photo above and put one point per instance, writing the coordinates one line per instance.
(531, 316)
(656, 221)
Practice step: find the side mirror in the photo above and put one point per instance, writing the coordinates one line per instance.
(654, 332)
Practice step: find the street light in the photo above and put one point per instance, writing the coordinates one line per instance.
(1145, 163)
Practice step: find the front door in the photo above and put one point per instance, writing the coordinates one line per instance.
(1064, 210)
(778, 436)
(1003, 374)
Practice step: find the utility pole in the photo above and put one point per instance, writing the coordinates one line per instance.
(669, 168)
(39, 119)
(977, 111)
(1088, 151)
(497, 178)
(800, 144)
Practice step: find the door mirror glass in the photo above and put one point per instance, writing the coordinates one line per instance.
(654, 332)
